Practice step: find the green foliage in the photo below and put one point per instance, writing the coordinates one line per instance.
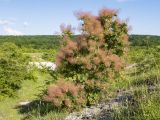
(145, 57)
(49, 55)
(42, 42)
(144, 40)
(33, 42)
(13, 69)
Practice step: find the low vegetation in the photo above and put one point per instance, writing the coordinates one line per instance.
(141, 84)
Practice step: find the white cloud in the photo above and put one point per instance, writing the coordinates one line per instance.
(5, 22)
(7, 27)
(11, 31)
(25, 24)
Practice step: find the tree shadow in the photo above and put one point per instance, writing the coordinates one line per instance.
(36, 108)
(149, 81)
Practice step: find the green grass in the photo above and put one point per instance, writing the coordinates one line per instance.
(29, 92)
(143, 84)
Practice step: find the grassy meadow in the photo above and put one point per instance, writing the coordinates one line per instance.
(140, 79)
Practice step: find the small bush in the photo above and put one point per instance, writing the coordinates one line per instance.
(94, 57)
(13, 69)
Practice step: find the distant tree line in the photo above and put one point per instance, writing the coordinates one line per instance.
(36, 42)
(144, 40)
(53, 41)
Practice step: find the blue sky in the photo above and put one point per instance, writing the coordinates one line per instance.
(43, 17)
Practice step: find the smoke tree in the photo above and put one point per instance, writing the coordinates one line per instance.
(94, 57)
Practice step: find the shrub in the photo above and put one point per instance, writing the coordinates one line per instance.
(13, 69)
(64, 94)
(94, 57)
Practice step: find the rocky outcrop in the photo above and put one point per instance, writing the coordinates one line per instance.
(100, 111)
